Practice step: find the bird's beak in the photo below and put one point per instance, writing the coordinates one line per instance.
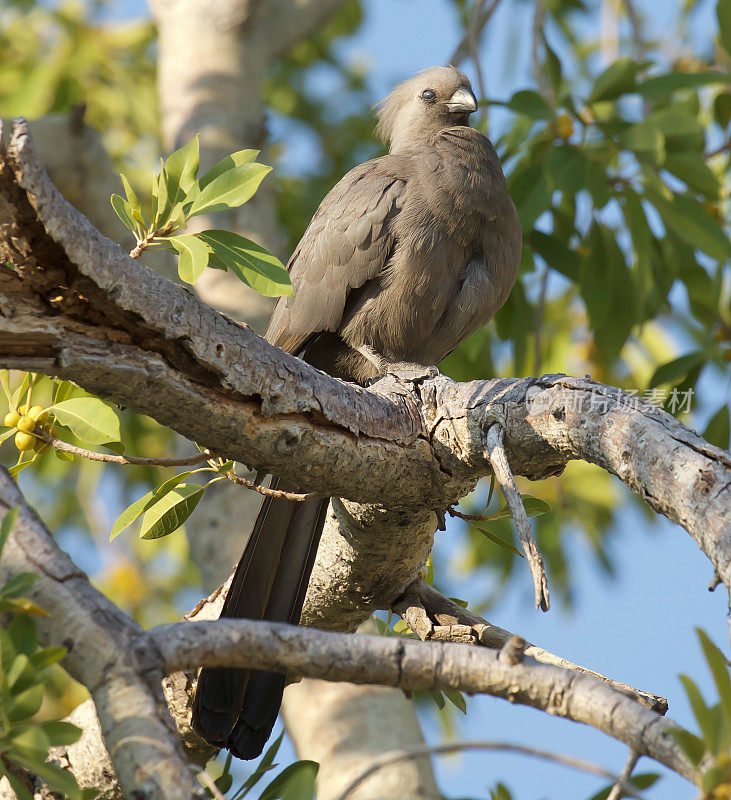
(462, 101)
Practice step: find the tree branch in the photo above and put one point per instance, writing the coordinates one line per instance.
(137, 729)
(505, 747)
(422, 606)
(410, 665)
(415, 440)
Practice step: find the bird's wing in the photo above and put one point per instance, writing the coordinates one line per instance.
(347, 243)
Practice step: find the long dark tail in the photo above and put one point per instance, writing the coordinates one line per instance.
(237, 708)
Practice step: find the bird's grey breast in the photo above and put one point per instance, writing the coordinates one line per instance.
(459, 246)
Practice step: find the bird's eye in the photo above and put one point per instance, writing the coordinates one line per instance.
(428, 94)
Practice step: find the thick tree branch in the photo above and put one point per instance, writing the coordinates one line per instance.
(78, 307)
(410, 665)
(137, 730)
(434, 617)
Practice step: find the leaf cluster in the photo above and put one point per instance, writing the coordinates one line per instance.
(178, 196)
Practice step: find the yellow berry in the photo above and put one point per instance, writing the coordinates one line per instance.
(38, 413)
(564, 126)
(24, 409)
(26, 424)
(11, 419)
(24, 441)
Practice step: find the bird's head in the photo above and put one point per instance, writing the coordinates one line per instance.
(417, 109)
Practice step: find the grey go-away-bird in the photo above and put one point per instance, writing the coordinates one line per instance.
(406, 256)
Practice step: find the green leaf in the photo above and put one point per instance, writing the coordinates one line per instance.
(718, 430)
(25, 704)
(21, 663)
(456, 699)
(229, 190)
(682, 130)
(553, 66)
(24, 635)
(534, 507)
(703, 714)
(171, 511)
(89, 419)
(18, 584)
(714, 776)
(531, 104)
(723, 13)
(617, 79)
(678, 368)
(161, 202)
(129, 515)
(57, 778)
(693, 170)
(60, 733)
(193, 256)
(133, 201)
(21, 390)
(719, 669)
(136, 509)
(18, 787)
(237, 159)
(567, 166)
(63, 391)
(251, 263)
(180, 170)
(722, 109)
(124, 211)
(6, 526)
(17, 468)
(690, 744)
(646, 141)
(266, 764)
(438, 698)
(296, 782)
(47, 656)
(504, 543)
(693, 224)
(5, 383)
(22, 605)
(659, 86)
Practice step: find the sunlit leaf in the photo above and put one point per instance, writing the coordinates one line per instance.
(227, 164)
(88, 418)
(171, 511)
(124, 211)
(230, 189)
(295, 782)
(193, 256)
(250, 262)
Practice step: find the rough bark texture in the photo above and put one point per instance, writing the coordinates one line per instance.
(137, 730)
(77, 307)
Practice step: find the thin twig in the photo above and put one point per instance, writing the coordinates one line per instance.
(539, 74)
(209, 783)
(418, 751)
(619, 787)
(108, 458)
(466, 517)
(299, 498)
(635, 21)
(469, 45)
(538, 345)
(504, 476)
